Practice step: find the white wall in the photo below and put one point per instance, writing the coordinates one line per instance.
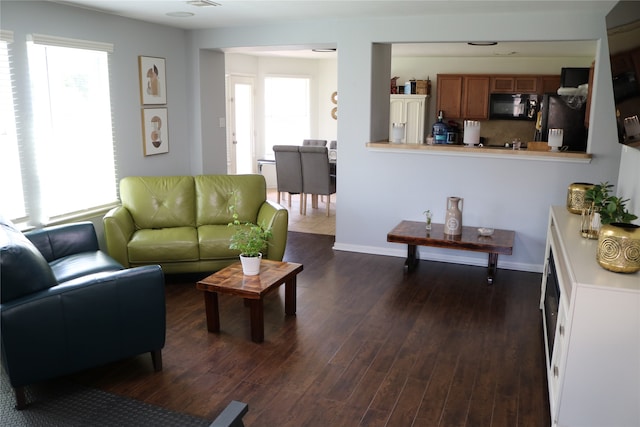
(377, 190)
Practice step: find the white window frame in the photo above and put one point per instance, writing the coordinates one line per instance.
(287, 119)
(68, 161)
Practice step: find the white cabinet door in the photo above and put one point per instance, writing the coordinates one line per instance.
(414, 130)
(410, 110)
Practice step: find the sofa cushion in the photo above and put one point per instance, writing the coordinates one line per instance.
(82, 264)
(215, 193)
(214, 242)
(24, 270)
(159, 202)
(166, 244)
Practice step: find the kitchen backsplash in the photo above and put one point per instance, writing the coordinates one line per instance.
(498, 132)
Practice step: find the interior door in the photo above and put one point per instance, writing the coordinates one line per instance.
(241, 158)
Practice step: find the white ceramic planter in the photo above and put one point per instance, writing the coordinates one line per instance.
(250, 265)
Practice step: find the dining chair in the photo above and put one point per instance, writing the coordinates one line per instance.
(288, 171)
(316, 175)
(315, 142)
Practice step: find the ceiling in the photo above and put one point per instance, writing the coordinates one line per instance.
(234, 13)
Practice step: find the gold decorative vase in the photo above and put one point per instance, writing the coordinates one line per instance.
(619, 247)
(575, 197)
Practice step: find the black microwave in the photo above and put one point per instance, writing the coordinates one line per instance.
(513, 106)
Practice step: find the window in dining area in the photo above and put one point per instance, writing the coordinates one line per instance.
(287, 111)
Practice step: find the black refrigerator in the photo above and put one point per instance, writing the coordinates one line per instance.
(565, 113)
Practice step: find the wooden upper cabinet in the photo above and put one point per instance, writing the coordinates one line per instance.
(621, 63)
(635, 60)
(449, 96)
(475, 99)
(547, 84)
(462, 96)
(502, 84)
(514, 84)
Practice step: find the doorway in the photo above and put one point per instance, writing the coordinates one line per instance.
(241, 150)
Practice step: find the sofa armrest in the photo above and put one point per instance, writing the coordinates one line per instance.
(277, 217)
(83, 323)
(63, 240)
(118, 229)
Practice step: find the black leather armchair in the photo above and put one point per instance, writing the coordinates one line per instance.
(65, 306)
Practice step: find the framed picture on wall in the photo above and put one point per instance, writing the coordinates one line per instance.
(155, 134)
(153, 80)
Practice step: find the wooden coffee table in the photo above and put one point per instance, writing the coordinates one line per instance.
(413, 233)
(231, 280)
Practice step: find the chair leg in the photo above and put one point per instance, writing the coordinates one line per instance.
(21, 398)
(328, 203)
(278, 197)
(301, 197)
(304, 210)
(156, 358)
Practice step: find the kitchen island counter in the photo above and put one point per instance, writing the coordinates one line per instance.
(495, 152)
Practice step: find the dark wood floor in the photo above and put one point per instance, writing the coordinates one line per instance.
(369, 346)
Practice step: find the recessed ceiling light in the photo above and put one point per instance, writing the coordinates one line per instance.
(202, 3)
(180, 14)
(482, 43)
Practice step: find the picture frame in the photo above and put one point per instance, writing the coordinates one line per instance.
(155, 131)
(153, 80)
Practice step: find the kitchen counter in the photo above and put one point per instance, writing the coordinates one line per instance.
(494, 152)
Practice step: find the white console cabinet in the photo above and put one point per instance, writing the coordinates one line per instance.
(411, 110)
(593, 369)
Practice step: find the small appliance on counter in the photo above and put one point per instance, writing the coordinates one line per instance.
(440, 130)
(471, 132)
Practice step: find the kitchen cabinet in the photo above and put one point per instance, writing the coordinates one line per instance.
(624, 62)
(462, 96)
(593, 352)
(514, 84)
(449, 95)
(475, 97)
(548, 84)
(412, 111)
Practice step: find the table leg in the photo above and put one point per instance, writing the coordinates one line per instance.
(211, 310)
(411, 262)
(492, 267)
(290, 296)
(257, 320)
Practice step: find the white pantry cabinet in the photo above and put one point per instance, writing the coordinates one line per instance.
(593, 367)
(411, 110)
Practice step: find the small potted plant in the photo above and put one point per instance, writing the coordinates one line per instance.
(250, 239)
(428, 216)
(610, 208)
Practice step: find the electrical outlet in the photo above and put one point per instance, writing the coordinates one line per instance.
(221, 122)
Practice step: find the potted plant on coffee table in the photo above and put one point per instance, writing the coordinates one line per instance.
(250, 239)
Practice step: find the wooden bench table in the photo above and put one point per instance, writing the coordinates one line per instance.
(413, 233)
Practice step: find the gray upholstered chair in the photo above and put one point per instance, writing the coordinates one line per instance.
(288, 171)
(316, 175)
(315, 142)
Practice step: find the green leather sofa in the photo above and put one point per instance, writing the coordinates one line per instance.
(180, 222)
